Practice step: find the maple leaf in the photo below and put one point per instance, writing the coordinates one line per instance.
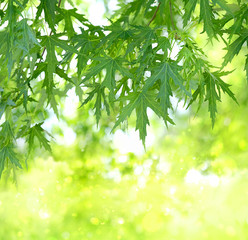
(189, 8)
(50, 42)
(206, 15)
(61, 72)
(4, 103)
(51, 57)
(6, 146)
(117, 32)
(211, 96)
(67, 16)
(239, 17)
(38, 132)
(49, 8)
(141, 34)
(111, 66)
(135, 7)
(100, 95)
(140, 101)
(164, 44)
(114, 60)
(200, 93)
(10, 17)
(86, 44)
(27, 39)
(7, 153)
(211, 87)
(6, 132)
(164, 72)
(234, 48)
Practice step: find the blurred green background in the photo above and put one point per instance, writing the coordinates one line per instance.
(190, 183)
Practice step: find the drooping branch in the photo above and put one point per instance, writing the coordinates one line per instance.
(154, 15)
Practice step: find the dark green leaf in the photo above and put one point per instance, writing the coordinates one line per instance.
(7, 153)
(189, 9)
(206, 15)
(49, 8)
(234, 48)
(38, 132)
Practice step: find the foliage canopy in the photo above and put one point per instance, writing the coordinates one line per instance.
(49, 47)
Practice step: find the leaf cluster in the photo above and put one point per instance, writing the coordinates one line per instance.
(124, 68)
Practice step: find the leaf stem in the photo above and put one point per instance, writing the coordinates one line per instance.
(155, 14)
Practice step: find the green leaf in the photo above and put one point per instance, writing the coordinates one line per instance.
(6, 133)
(140, 101)
(198, 93)
(7, 153)
(239, 16)
(78, 89)
(142, 119)
(38, 132)
(67, 16)
(164, 95)
(234, 48)
(224, 86)
(60, 72)
(210, 89)
(4, 105)
(49, 8)
(26, 39)
(100, 95)
(10, 16)
(223, 5)
(141, 35)
(189, 8)
(111, 66)
(119, 33)
(54, 104)
(51, 59)
(164, 44)
(125, 112)
(134, 7)
(211, 96)
(147, 100)
(86, 45)
(206, 15)
(164, 72)
(50, 42)
(213, 86)
(62, 44)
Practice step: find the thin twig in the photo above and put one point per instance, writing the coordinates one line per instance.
(43, 52)
(59, 3)
(154, 15)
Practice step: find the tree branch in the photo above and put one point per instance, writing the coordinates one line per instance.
(154, 15)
